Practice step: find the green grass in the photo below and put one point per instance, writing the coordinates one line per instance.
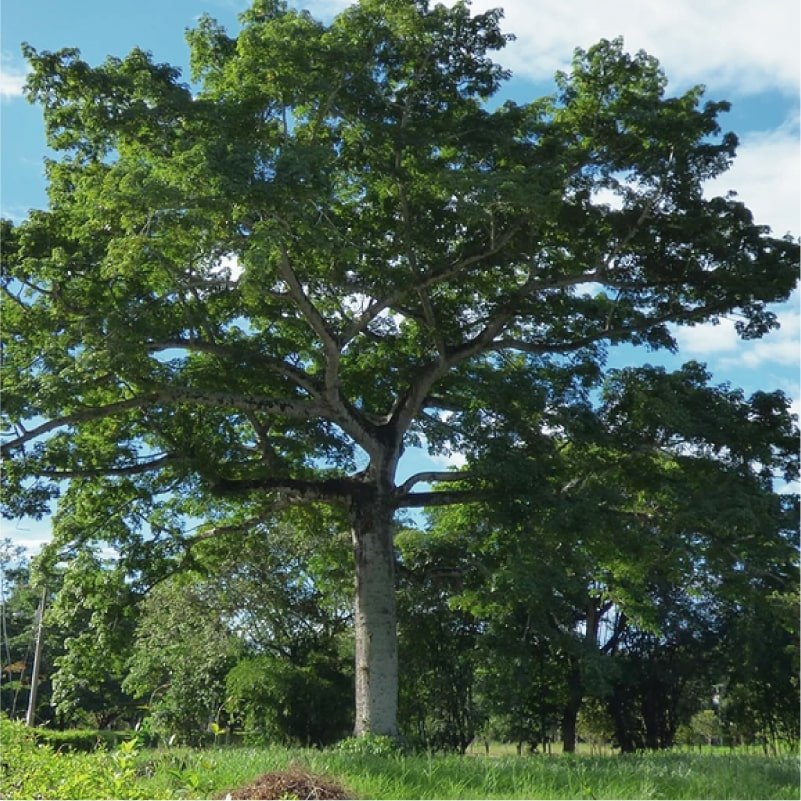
(660, 775)
(30, 770)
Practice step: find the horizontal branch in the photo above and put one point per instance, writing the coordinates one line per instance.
(91, 413)
(219, 531)
(446, 498)
(609, 332)
(428, 476)
(324, 489)
(124, 470)
(298, 408)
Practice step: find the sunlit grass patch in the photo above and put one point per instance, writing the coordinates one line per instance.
(30, 770)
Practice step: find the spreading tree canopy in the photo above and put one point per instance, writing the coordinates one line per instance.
(259, 290)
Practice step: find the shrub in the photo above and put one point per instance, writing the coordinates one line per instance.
(278, 701)
(79, 739)
(30, 769)
(373, 745)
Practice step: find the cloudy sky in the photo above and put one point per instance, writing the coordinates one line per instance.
(743, 51)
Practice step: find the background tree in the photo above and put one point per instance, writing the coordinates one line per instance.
(614, 589)
(179, 660)
(94, 614)
(759, 685)
(265, 288)
(439, 707)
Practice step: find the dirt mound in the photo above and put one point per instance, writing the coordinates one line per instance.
(291, 784)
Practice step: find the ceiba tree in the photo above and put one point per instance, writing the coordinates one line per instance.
(260, 289)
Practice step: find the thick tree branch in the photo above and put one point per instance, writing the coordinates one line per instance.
(410, 404)
(300, 408)
(347, 417)
(428, 476)
(308, 309)
(445, 498)
(324, 489)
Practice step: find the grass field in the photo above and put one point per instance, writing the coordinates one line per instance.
(31, 771)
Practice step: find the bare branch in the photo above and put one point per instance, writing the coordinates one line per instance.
(347, 416)
(431, 475)
(309, 310)
(219, 531)
(297, 489)
(445, 498)
(301, 408)
(409, 404)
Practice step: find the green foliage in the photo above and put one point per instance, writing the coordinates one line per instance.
(81, 739)
(264, 288)
(760, 694)
(371, 745)
(705, 726)
(355, 159)
(281, 702)
(179, 659)
(31, 770)
(594, 724)
(19, 603)
(94, 612)
(374, 768)
(438, 708)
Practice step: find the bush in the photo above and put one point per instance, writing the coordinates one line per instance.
(80, 739)
(372, 745)
(29, 769)
(280, 702)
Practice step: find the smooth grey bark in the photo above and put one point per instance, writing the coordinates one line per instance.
(375, 618)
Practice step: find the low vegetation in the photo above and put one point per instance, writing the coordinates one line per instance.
(31, 770)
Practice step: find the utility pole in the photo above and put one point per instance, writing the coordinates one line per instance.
(37, 659)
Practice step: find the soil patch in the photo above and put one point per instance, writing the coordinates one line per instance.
(291, 784)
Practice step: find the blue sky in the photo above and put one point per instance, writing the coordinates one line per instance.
(743, 51)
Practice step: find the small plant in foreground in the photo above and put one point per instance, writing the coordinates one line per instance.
(370, 745)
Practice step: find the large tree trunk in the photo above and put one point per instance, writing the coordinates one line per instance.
(375, 619)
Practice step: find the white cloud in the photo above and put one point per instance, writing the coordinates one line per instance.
(709, 338)
(30, 534)
(11, 82)
(735, 44)
(732, 44)
(779, 348)
(228, 267)
(766, 176)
